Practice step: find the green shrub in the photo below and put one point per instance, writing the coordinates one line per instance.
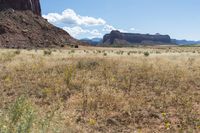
(47, 52)
(19, 118)
(120, 52)
(17, 52)
(69, 74)
(104, 54)
(146, 54)
(72, 51)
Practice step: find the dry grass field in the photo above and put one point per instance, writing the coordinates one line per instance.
(100, 90)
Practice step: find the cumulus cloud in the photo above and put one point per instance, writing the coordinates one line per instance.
(80, 26)
(76, 31)
(69, 17)
(108, 28)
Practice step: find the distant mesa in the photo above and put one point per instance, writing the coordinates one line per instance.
(21, 26)
(116, 37)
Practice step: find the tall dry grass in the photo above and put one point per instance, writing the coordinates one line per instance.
(86, 91)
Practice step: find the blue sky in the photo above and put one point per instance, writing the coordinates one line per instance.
(93, 18)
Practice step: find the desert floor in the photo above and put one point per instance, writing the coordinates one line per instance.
(93, 89)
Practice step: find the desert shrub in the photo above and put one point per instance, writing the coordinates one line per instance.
(71, 52)
(46, 92)
(120, 52)
(47, 52)
(104, 54)
(87, 64)
(69, 74)
(19, 118)
(76, 46)
(86, 51)
(146, 54)
(22, 117)
(8, 56)
(17, 52)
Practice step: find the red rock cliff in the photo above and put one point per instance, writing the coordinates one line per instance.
(33, 5)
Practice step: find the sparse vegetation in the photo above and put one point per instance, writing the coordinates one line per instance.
(8, 56)
(47, 52)
(146, 54)
(17, 52)
(96, 93)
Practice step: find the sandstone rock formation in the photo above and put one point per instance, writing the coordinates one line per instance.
(133, 38)
(33, 5)
(21, 26)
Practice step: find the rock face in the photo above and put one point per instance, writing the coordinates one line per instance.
(116, 37)
(33, 5)
(24, 29)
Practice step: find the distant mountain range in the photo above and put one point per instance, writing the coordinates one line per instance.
(130, 39)
(93, 41)
(185, 42)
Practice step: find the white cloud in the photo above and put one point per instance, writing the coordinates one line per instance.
(53, 17)
(69, 17)
(76, 31)
(108, 28)
(80, 26)
(132, 29)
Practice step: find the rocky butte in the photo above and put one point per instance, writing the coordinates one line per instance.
(116, 37)
(33, 5)
(21, 26)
